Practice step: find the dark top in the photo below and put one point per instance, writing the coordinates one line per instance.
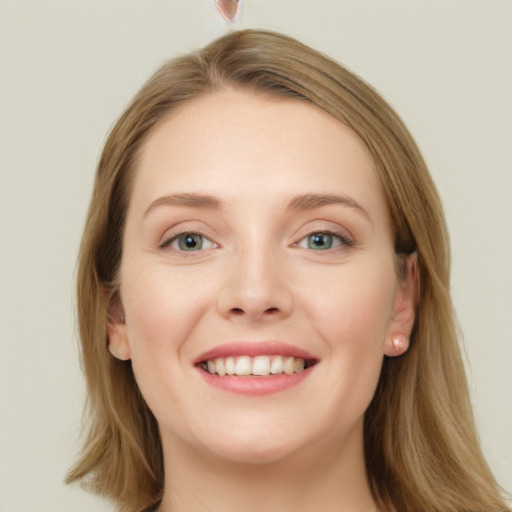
(152, 508)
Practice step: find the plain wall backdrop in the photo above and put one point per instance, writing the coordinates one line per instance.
(67, 70)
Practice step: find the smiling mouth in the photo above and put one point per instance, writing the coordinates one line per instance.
(262, 366)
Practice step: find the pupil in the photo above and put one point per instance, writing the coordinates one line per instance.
(320, 241)
(190, 241)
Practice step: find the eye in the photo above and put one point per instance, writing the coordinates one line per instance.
(189, 242)
(321, 241)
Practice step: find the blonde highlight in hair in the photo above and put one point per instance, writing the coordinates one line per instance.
(421, 446)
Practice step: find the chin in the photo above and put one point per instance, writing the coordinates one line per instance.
(270, 444)
(253, 453)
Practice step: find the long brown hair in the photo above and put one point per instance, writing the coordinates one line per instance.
(422, 451)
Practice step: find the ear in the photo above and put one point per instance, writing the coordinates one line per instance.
(117, 333)
(402, 321)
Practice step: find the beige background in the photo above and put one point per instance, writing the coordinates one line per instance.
(67, 69)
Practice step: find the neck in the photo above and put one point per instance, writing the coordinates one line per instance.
(321, 477)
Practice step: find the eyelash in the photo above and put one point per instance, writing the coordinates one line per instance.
(342, 238)
(191, 234)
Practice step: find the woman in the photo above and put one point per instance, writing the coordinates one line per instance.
(263, 297)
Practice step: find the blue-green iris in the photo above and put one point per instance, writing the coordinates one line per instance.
(320, 241)
(190, 242)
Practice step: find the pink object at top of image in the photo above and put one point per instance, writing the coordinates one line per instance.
(228, 8)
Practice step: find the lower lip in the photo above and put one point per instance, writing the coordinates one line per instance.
(254, 385)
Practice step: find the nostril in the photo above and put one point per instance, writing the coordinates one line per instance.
(241, 312)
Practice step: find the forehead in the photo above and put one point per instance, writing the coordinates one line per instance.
(230, 143)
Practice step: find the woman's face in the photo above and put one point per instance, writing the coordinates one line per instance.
(257, 242)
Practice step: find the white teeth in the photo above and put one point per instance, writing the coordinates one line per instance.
(259, 365)
(277, 365)
(289, 365)
(229, 365)
(243, 366)
(219, 366)
(298, 365)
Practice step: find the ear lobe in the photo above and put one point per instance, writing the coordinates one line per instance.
(404, 310)
(118, 341)
(396, 345)
(117, 334)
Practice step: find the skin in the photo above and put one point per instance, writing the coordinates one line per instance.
(257, 278)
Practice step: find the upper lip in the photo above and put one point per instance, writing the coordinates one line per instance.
(253, 349)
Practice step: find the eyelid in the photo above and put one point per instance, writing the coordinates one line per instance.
(344, 240)
(170, 237)
(328, 228)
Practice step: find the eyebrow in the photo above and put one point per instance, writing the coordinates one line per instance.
(191, 200)
(297, 203)
(311, 201)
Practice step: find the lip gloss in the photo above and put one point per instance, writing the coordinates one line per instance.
(254, 385)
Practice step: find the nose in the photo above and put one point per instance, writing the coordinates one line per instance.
(256, 288)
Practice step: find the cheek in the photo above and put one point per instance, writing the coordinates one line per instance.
(161, 308)
(353, 307)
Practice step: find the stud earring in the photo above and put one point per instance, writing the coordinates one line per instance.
(399, 344)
